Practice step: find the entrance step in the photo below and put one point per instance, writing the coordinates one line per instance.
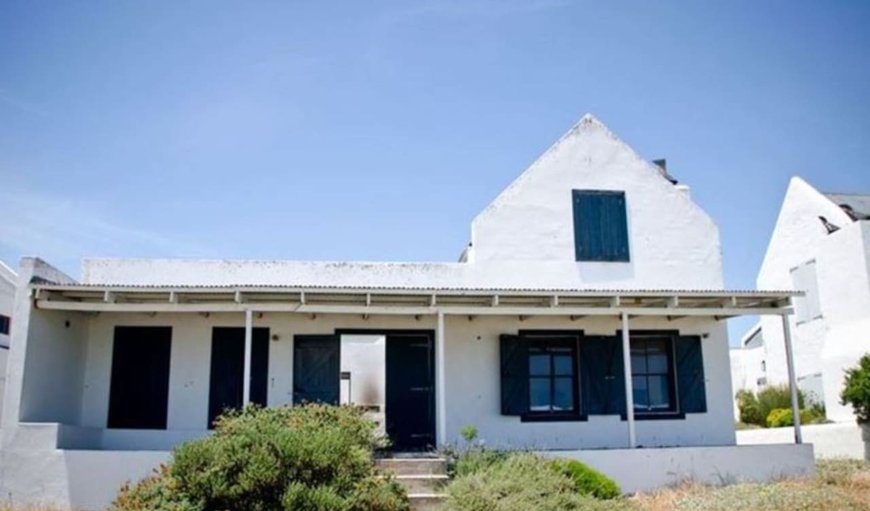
(422, 477)
(428, 484)
(413, 466)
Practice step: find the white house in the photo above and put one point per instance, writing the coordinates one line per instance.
(8, 282)
(585, 319)
(821, 246)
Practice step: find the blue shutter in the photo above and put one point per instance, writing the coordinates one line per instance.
(600, 226)
(514, 375)
(602, 375)
(690, 374)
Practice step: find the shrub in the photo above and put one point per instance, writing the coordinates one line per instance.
(587, 480)
(521, 481)
(782, 417)
(856, 390)
(755, 409)
(313, 457)
(747, 404)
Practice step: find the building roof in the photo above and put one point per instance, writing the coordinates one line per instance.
(855, 205)
(407, 300)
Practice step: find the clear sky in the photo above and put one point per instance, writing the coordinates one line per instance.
(377, 130)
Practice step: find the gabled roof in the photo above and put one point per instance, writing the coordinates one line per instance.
(855, 205)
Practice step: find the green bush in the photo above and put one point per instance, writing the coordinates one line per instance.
(755, 409)
(521, 481)
(856, 390)
(587, 480)
(312, 457)
(782, 417)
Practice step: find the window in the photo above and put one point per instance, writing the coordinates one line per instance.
(539, 376)
(551, 378)
(803, 278)
(652, 376)
(600, 226)
(4, 324)
(226, 379)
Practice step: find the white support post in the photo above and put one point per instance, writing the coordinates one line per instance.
(792, 381)
(440, 391)
(629, 391)
(249, 341)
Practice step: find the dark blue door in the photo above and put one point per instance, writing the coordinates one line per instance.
(316, 366)
(410, 399)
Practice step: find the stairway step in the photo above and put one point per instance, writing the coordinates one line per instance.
(426, 501)
(413, 466)
(422, 484)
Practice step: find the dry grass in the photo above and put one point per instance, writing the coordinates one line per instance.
(838, 485)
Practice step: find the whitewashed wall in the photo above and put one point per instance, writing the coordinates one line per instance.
(838, 338)
(8, 281)
(671, 240)
(472, 383)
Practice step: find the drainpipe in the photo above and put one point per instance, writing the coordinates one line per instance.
(629, 391)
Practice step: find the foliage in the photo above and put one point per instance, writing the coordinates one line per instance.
(469, 433)
(312, 457)
(755, 409)
(782, 417)
(521, 481)
(160, 491)
(856, 389)
(587, 480)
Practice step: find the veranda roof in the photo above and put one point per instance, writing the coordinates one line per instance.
(414, 301)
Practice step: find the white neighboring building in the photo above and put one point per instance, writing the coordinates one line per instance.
(820, 245)
(585, 320)
(8, 282)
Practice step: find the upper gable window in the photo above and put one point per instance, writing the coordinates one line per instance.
(600, 226)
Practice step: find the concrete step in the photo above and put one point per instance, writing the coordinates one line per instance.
(426, 501)
(413, 466)
(429, 484)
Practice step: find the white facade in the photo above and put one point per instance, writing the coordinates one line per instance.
(519, 274)
(831, 322)
(8, 282)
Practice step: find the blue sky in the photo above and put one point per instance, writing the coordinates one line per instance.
(377, 130)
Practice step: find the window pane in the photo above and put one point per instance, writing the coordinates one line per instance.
(657, 357)
(659, 394)
(638, 358)
(539, 395)
(640, 392)
(539, 364)
(563, 365)
(564, 394)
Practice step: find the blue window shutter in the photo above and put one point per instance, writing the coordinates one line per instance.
(514, 375)
(602, 375)
(690, 374)
(600, 226)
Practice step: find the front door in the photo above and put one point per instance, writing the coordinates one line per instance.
(316, 367)
(410, 400)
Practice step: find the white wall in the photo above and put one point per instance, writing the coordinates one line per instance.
(672, 241)
(640, 470)
(472, 383)
(8, 281)
(835, 340)
(835, 440)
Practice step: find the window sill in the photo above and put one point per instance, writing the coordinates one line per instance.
(552, 417)
(661, 416)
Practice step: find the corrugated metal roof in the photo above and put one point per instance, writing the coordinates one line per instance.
(430, 289)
